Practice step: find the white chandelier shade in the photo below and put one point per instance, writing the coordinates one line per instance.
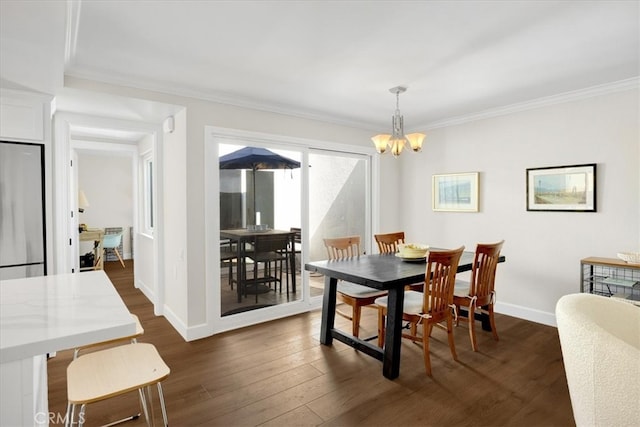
(398, 140)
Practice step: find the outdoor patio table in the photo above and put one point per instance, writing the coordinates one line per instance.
(381, 271)
(243, 236)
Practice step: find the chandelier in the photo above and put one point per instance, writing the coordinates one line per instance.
(397, 140)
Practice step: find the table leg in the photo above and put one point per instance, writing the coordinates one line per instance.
(393, 334)
(328, 310)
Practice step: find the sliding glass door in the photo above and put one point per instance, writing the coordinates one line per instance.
(317, 193)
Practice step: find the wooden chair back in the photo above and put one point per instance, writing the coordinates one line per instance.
(342, 247)
(440, 279)
(388, 243)
(483, 274)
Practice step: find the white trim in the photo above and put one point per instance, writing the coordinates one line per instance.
(296, 111)
(526, 313)
(63, 230)
(213, 136)
(619, 86)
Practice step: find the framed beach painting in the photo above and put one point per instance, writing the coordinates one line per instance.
(562, 188)
(455, 192)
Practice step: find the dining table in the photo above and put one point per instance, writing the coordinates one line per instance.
(242, 238)
(386, 272)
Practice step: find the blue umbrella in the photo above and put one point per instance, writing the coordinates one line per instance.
(255, 158)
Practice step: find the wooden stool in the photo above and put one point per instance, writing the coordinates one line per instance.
(108, 373)
(133, 338)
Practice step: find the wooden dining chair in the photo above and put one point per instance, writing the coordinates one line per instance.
(431, 307)
(356, 296)
(388, 243)
(479, 295)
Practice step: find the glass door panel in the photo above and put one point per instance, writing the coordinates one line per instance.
(338, 203)
(257, 194)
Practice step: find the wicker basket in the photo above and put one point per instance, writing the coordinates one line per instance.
(630, 257)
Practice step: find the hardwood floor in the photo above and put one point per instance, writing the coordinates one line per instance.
(278, 374)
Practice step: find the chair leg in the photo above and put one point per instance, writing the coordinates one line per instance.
(381, 324)
(355, 326)
(68, 419)
(426, 333)
(143, 401)
(472, 330)
(81, 415)
(452, 344)
(119, 257)
(164, 409)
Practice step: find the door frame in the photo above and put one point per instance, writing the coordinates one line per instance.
(216, 135)
(65, 222)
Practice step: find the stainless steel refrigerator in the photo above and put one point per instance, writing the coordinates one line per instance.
(22, 211)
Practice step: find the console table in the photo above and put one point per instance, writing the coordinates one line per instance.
(610, 277)
(94, 235)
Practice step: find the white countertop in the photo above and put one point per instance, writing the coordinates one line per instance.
(40, 315)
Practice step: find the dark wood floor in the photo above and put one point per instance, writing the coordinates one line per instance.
(278, 374)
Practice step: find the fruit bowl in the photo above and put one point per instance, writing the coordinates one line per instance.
(413, 250)
(630, 257)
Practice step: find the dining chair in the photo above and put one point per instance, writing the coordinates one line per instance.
(388, 242)
(479, 294)
(431, 307)
(356, 296)
(273, 251)
(228, 256)
(297, 244)
(112, 242)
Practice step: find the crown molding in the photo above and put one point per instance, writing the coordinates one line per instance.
(603, 89)
(289, 110)
(218, 98)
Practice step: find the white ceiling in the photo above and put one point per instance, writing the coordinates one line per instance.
(336, 60)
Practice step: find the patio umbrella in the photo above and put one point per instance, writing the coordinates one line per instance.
(255, 158)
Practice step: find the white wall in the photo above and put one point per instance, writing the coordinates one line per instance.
(543, 249)
(176, 194)
(107, 182)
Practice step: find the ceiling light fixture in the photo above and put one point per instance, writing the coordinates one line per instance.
(397, 141)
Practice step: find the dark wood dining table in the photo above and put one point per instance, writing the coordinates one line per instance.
(241, 237)
(380, 271)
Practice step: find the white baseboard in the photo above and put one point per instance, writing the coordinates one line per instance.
(526, 313)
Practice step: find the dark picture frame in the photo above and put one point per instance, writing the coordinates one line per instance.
(569, 188)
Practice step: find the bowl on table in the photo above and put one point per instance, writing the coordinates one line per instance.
(412, 250)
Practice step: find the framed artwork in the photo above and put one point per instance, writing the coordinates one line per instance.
(562, 188)
(455, 192)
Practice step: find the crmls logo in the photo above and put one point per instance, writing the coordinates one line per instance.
(41, 418)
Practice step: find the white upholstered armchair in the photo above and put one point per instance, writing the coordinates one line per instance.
(600, 340)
